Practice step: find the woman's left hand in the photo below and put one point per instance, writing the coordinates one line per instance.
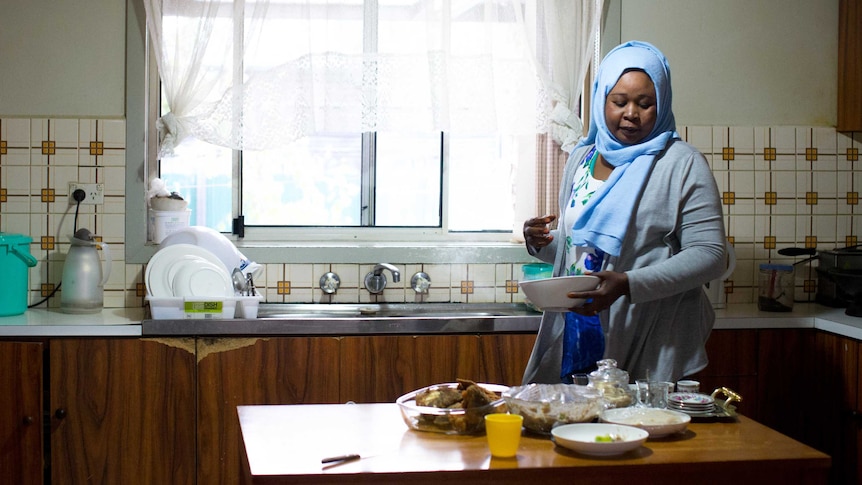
(612, 285)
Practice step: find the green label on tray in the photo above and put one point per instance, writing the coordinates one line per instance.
(203, 306)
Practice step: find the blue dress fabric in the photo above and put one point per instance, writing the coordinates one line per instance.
(583, 345)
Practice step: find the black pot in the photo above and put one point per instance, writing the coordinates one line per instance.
(840, 288)
(844, 259)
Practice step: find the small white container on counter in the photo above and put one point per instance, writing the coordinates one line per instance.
(164, 223)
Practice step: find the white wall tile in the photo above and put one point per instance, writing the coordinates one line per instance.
(64, 133)
(16, 132)
(38, 132)
(112, 133)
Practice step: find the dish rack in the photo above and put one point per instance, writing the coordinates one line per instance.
(206, 308)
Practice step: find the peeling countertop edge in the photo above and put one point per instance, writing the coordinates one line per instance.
(127, 322)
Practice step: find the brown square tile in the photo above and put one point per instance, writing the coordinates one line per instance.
(3, 195)
(810, 198)
(48, 148)
(512, 286)
(727, 153)
(728, 198)
(809, 286)
(3, 147)
(283, 288)
(852, 154)
(770, 198)
(810, 242)
(47, 243)
(45, 289)
(97, 148)
(47, 195)
(466, 287)
(811, 154)
(140, 290)
(852, 198)
(850, 241)
(769, 242)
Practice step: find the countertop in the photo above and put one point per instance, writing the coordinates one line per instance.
(123, 322)
(110, 322)
(285, 444)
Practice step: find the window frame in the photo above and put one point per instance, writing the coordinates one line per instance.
(304, 245)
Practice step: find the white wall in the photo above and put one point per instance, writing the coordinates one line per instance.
(740, 62)
(62, 58)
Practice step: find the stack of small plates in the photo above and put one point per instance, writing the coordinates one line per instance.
(693, 404)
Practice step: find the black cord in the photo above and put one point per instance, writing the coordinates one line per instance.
(79, 195)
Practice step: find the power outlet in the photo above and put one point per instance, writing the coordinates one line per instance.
(95, 193)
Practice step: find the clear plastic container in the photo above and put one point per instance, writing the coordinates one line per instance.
(536, 271)
(775, 288)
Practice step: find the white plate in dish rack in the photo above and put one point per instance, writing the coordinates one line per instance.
(168, 260)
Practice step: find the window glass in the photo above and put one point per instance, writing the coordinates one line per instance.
(408, 180)
(201, 173)
(312, 182)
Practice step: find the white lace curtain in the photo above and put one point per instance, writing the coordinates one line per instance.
(571, 28)
(254, 74)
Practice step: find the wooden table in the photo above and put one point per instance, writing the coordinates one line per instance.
(285, 444)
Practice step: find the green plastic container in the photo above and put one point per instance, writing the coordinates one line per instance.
(536, 271)
(15, 264)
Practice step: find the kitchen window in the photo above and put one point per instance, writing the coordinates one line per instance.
(374, 121)
(407, 173)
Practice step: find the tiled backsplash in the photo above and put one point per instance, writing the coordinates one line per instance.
(782, 186)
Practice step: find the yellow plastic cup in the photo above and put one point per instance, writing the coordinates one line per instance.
(504, 433)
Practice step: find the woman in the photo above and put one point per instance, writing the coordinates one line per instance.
(639, 208)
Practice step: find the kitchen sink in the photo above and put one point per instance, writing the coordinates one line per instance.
(312, 311)
(339, 319)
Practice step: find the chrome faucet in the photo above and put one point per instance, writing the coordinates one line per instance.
(375, 281)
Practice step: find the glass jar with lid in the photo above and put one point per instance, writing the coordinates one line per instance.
(613, 383)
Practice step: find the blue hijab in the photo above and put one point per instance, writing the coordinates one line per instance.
(603, 225)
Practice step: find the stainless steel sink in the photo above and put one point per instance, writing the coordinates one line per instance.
(290, 311)
(340, 319)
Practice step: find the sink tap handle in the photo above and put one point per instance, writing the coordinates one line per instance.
(378, 270)
(420, 282)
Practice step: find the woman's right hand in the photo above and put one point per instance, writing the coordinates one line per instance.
(537, 234)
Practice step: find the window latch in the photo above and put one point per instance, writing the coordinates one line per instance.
(239, 226)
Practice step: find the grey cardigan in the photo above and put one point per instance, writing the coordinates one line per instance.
(674, 244)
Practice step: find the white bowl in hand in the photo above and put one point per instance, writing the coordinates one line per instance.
(551, 294)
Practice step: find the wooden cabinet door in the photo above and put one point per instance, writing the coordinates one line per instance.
(831, 425)
(382, 368)
(236, 371)
(21, 413)
(784, 371)
(733, 364)
(122, 410)
(503, 357)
